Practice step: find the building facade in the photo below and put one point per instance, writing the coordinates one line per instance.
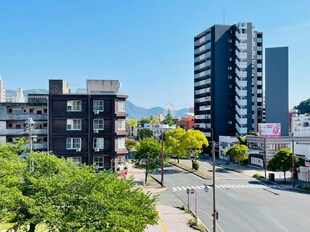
(228, 80)
(13, 117)
(88, 126)
(277, 107)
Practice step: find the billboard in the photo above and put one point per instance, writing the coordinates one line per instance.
(269, 129)
(301, 125)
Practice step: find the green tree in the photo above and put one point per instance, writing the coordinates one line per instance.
(45, 189)
(147, 155)
(173, 142)
(281, 161)
(152, 119)
(168, 119)
(193, 141)
(145, 120)
(130, 144)
(304, 106)
(145, 133)
(132, 122)
(237, 153)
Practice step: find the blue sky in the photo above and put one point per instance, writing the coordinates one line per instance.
(147, 45)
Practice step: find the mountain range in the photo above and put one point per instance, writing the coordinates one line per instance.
(133, 111)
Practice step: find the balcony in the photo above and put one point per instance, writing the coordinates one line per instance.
(241, 64)
(241, 93)
(202, 48)
(241, 84)
(242, 121)
(203, 39)
(241, 130)
(203, 82)
(241, 46)
(241, 102)
(241, 55)
(12, 131)
(202, 74)
(203, 65)
(241, 111)
(241, 37)
(241, 74)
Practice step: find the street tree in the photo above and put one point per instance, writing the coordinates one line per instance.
(193, 141)
(237, 153)
(147, 155)
(281, 161)
(144, 120)
(168, 119)
(145, 133)
(46, 189)
(173, 142)
(130, 144)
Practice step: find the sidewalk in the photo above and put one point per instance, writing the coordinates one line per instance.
(170, 219)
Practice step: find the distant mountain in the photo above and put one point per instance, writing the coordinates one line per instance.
(137, 112)
(133, 111)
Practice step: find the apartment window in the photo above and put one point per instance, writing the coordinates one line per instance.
(98, 124)
(99, 162)
(30, 110)
(76, 160)
(74, 105)
(73, 143)
(121, 143)
(98, 143)
(98, 105)
(121, 106)
(121, 124)
(74, 124)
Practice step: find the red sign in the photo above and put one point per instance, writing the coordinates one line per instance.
(190, 191)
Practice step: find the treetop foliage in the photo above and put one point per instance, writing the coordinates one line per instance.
(43, 188)
(304, 106)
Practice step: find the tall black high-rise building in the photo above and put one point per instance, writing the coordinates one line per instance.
(228, 80)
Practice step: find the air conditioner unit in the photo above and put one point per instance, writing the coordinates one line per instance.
(96, 131)
(96, 149)
(78, 149)
(96, 111)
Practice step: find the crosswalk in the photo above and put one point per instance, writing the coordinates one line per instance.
(227, 186)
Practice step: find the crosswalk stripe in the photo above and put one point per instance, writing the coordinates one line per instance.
(227, 186)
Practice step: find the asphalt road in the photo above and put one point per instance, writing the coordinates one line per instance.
(244, 203)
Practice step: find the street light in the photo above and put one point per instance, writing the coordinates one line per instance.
(215, 213)
(293, 160)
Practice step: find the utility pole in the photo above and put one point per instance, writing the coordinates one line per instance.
(162, 157)
(265, 159)
(29, 124)
(293, 160)
(215, 215)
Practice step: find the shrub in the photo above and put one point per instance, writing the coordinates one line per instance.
(195, 165)
(258, 175)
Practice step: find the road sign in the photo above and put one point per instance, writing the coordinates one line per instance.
(190, 191)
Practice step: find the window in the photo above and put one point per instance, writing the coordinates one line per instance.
(73, 143)
(98, 143)
(121, 124)
(75, 160)
(99, 161)
(75, 105)
(98, 105)
(121, 143)
(98, 124)
(74, 124)
(121, 106)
